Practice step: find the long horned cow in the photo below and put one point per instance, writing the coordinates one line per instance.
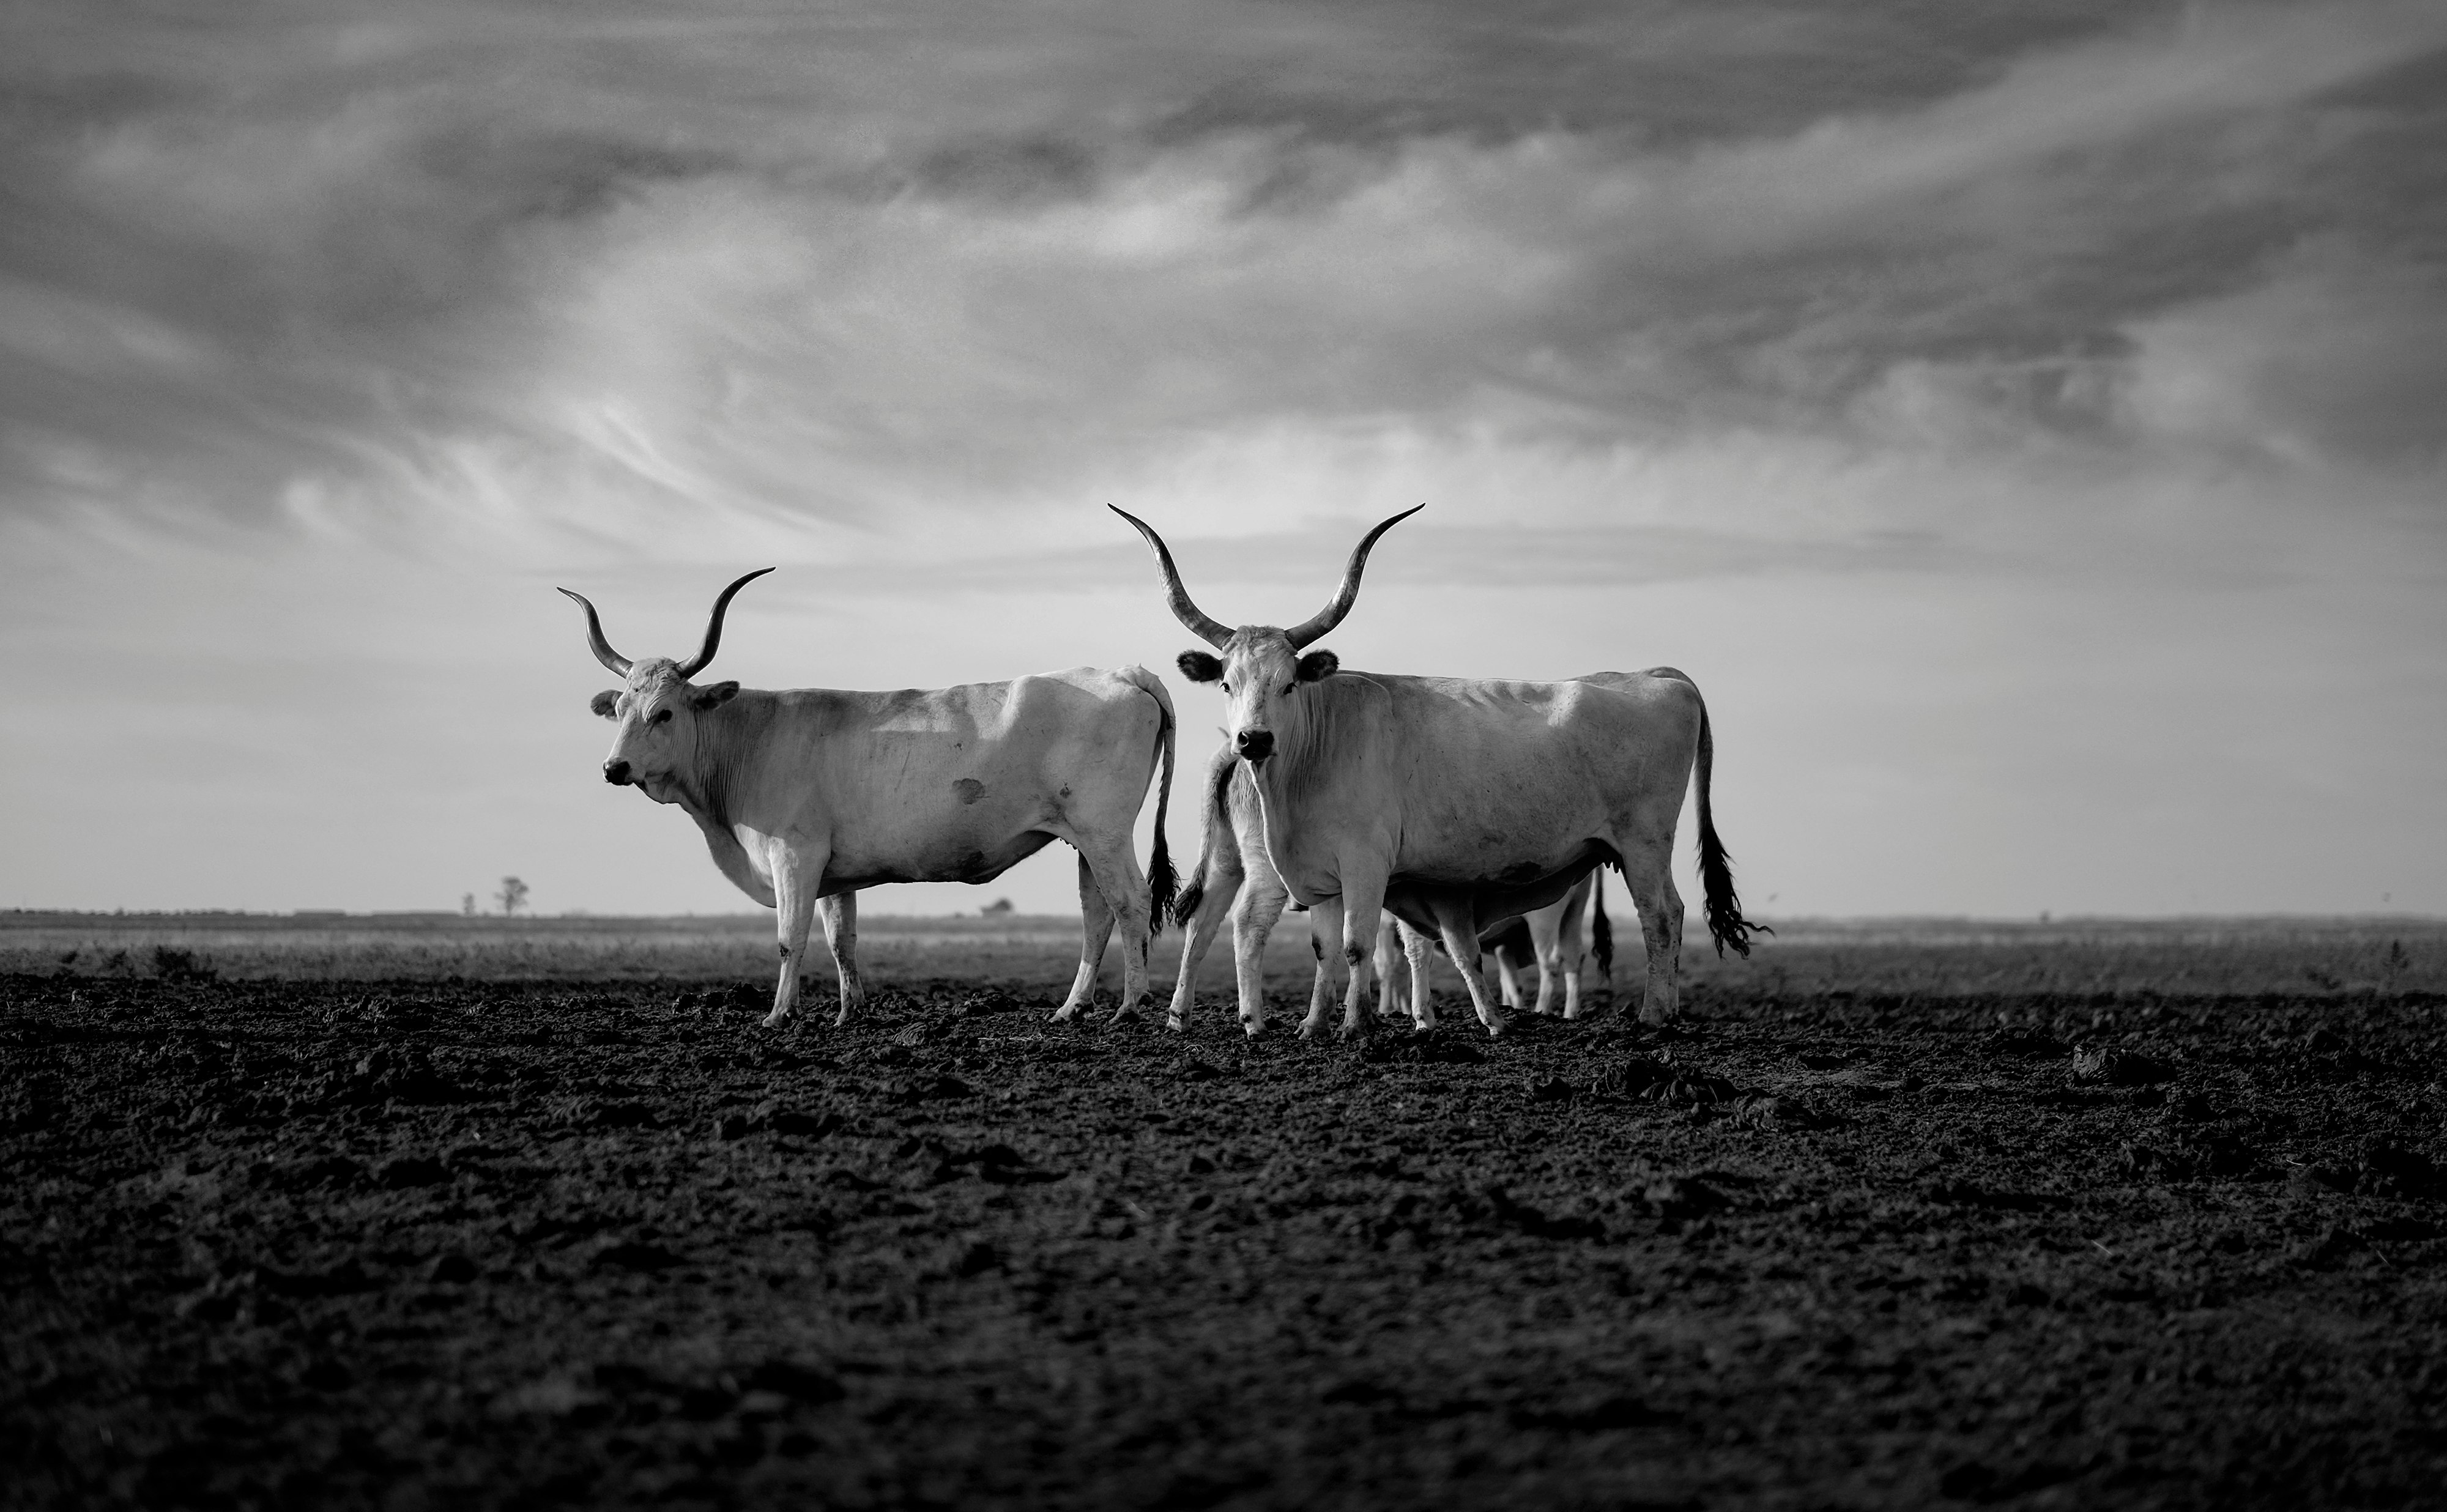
(1457, 802)
(808, 794)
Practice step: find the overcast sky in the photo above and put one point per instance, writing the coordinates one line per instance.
(2026, 421)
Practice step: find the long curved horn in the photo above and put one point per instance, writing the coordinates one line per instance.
(1331, 613)
(713, 627)
(1214, 632)
(602, 649)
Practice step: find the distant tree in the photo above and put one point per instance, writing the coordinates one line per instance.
(512, 897)
(1000, 905)
(468, 904)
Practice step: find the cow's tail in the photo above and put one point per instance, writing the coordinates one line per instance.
(1726, 925)
(1601, 931)
(1162, 881)
(1217, 817)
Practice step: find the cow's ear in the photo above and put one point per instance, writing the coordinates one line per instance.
(1318, 665)
(606, 703)
(705, 698)
(1199, 667)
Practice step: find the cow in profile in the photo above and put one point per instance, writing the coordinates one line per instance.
(810, 794)
(1458, 802)
(1558, 939)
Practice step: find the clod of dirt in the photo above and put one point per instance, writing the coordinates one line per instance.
(2388, 1169)
(634, 1256)
(301, 1176)
(452, 1269)
(1499, 1205)
(591, 1114)
(1430, 1048)
(2320, 1178)
(2119, 1067)
(2024, 1043)
(412, 1171)
(1198, 1071)
(980, 1004)
(797, 1381)
(977, 1259)
(328, 1375)
(731, 1127)
(1678, 1199)
(345, 1279)
(1595, 1413)
(1550, 1090)
(1779, 1114)
(1971, 1194)
(406, 1075)
(931, 1088)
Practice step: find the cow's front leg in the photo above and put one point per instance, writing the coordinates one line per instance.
(1095, 929)
(1457, 928)
(797, 873)
(840, 915)
(1325, 940)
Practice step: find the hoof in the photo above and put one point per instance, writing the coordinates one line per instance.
(1253, 1028)
(1064, 1015)
(1119, 1014)
(1174, 1022)
(775, 1019)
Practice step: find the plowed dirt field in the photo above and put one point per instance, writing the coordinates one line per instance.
(411, 1243)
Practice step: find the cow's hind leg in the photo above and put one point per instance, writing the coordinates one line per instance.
(1457, 928)
(1544, 929)
(1569, 949)
(1095, 929)
(1114, 872)
(796, 876)
(1253, 914)
(1361, 916)
(1198, 932)
(1391, 968)
(1421, 953)
(1648, 871)
(839, 915)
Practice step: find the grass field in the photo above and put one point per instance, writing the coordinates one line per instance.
(1887, 958)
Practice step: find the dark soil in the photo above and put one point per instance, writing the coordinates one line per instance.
(322, 1245)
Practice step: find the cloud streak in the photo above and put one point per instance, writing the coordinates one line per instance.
(1857, 336)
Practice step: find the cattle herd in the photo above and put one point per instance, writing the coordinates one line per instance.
(1441, 813)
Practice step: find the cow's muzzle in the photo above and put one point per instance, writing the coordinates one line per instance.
(1255, 744)
(617, 773)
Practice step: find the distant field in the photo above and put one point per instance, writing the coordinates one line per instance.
(1806, 958)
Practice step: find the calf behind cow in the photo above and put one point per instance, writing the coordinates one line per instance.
(810, 793)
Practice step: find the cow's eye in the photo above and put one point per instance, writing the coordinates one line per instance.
(1228, 688)
(662, 716)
